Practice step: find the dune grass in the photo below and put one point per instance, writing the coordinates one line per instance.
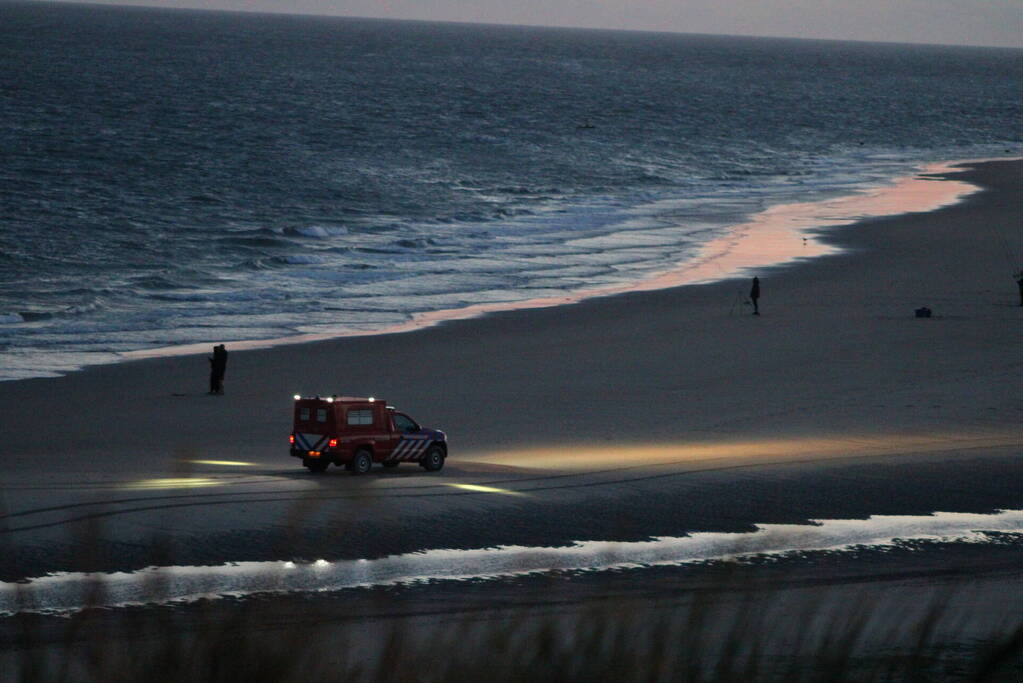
(725, 633)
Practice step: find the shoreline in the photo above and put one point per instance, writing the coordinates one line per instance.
(780, 235)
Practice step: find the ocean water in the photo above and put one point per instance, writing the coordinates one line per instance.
(172, 177)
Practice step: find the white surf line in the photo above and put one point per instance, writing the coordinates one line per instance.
(68, 592)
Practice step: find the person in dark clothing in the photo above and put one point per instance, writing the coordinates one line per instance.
(1019, 281)
(218, 366)
(754, 295)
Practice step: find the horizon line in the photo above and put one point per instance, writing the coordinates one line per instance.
(555, 27)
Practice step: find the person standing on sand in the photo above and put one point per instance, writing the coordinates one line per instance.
(218, 366)
(1019, 281)
(754, 295)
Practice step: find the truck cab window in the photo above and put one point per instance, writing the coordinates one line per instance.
(404, 424)
(360, 417)
(303, 414)
(321, 414)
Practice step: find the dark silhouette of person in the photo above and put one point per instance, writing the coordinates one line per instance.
(218, 366)
(1019, 281)
(754, 295)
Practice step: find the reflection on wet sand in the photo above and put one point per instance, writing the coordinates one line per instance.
(69, 592)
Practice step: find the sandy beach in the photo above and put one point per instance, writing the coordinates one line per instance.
(647, 414)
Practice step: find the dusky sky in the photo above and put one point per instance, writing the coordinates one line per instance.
(954, 22)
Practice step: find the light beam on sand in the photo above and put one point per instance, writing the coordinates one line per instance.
(583, 456)
(66, 593)
(171, 483)
(223, 463)
(486, 489)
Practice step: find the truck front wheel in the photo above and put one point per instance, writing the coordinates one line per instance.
(434, 459)
(362, 463)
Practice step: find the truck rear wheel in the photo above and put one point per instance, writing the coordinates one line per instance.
(433, 461)
(316, 465)
(362, 463)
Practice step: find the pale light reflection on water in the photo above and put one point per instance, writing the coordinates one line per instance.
(65, 593)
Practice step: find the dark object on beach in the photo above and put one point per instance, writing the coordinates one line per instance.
(923, 312)
(1019, 282)
(754, 295)
(218, 366)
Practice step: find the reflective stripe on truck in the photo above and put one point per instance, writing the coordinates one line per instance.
(410, 448)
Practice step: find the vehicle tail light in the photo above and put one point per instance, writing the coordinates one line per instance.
(333, 443)
(291, 439)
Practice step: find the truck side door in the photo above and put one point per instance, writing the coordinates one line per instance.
(411, 444)
(388, 437)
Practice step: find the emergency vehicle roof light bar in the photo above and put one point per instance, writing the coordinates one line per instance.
(298, 397)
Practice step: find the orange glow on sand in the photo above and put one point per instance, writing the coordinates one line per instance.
(170, 483)
(584, 456)
(778, 235)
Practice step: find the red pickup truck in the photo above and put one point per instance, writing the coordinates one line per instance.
(357, 432)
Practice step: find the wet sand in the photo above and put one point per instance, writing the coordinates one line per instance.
(616, 418)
